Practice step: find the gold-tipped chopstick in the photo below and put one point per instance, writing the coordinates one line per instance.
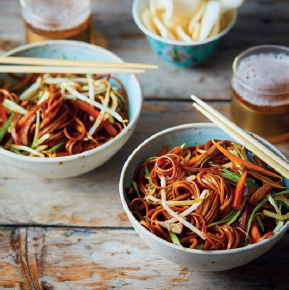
(68, 70)
(243, 137)
(73, 63)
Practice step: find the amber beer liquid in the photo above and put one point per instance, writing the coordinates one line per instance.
(57, 19)
(260, 91)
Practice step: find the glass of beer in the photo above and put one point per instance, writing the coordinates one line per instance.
(57, 19)
(260, 91)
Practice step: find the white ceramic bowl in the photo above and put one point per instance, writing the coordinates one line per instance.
(77, 164)
(191, 134)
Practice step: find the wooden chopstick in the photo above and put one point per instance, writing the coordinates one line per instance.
(68, 70)
(74, 63)
(243, 137)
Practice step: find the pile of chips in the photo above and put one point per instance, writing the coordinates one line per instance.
(187, 20)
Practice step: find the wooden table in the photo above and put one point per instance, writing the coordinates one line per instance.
(73, 233)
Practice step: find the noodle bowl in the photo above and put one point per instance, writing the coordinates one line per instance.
(79, 163)
(196, 206)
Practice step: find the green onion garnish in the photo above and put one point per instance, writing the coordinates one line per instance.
(6, 125)
(55, 147)
(226, 218)
(174, 238)
(251, 217)
(147, 170)
(15, 151)
(238, 212)
(280, 193)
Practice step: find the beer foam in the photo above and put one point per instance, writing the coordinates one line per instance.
(56, 14)
(264, 73)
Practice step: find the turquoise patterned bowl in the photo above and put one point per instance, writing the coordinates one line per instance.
(181, 53)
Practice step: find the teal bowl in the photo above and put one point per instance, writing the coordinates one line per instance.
(191, 134)
(68, 166)
(181, 53)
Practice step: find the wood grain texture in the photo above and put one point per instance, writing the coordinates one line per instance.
(118, 259)
(91, 199)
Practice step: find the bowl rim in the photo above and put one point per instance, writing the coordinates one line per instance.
(136, 223)
(178, 42)
(138, 94)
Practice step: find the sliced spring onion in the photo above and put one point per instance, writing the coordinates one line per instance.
(259, 221)
(55, 147)
(44, 96)
(282, 199)
(273, 203)
(114, 104)
(42, 139)
(147, 170)
(6, 125)
(227, 165)
(174, 238)
(183, 146)
(41, 148)
(280, 193)
(31, 91)
(280, 224)
(199, 247)
(235, 177)
(251, 218)
(13, 124)
(14, 107)
(27, 149)
(226, 218)
(15, 151)
(276, 216)
(238, 212)
(36, 129)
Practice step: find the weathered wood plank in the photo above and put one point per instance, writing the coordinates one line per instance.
(14, 272)
(118, 259)
(91, 199)
(258, 22)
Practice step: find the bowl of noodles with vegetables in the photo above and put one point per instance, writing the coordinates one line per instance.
(200, 200)
(63, 125)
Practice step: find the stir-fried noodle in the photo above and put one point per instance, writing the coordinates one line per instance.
(208, 197)
(60, 115)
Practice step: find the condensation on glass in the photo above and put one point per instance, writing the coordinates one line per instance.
(57, 19)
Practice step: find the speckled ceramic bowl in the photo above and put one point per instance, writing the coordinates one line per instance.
(181, 53)
(191, 134)
(77, 164)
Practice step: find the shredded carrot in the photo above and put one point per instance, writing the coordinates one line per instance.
(256, 235)
(240, 161)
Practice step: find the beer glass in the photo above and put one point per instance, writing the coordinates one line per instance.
(54, 19)
(260, 91)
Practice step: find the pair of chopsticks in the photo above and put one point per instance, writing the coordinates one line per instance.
(44, 65)
(243, 137)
